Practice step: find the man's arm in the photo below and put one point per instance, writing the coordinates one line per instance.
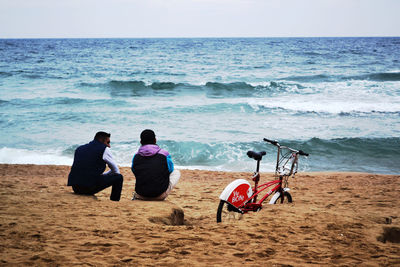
(170, 164)
(107, 157)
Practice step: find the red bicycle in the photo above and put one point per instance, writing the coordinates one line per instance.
(239, 198)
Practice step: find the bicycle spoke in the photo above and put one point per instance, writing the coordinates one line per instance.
(231, 215)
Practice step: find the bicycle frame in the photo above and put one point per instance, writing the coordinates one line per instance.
(251, 203)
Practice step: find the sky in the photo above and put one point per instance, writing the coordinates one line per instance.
(197, 18)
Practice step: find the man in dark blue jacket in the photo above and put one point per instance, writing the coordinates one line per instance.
(87, 175)
(153, 169)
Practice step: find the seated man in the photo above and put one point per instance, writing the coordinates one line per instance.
(86, 176)
(153, 169)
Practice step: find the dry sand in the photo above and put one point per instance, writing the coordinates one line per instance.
(336, 219)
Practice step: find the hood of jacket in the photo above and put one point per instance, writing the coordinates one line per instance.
(151, 150)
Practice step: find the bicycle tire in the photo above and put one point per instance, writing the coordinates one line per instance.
(287, 198)
(226, 211)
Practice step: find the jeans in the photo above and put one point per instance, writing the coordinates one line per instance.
(103, 181)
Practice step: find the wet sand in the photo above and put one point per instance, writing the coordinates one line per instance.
(336, 219)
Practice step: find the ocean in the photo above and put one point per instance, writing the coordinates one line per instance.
(209, 100)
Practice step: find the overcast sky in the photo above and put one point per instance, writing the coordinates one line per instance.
(198, 18)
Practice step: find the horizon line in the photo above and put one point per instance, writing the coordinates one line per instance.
(210, 37)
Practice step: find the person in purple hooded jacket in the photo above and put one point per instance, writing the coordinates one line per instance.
(153, 169)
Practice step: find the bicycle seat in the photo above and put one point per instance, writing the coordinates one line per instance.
(256, 155)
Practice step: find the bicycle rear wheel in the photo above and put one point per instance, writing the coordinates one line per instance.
(227, 212)
(287, 198)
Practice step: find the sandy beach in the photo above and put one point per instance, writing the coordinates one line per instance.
(336, 219)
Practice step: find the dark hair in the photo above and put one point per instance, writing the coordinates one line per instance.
(101, 135)
(147, 137)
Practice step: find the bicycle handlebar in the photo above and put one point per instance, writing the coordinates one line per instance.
(275, 143)
(302, 153)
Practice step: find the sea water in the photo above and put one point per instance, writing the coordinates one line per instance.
(208, 100)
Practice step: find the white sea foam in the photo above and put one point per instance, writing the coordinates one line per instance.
(315, 104)
(23, 156)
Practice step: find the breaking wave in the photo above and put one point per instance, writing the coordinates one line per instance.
(377, 77)
(212, 89)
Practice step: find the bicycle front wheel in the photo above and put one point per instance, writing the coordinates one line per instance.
(227, 212)
(287, 198)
